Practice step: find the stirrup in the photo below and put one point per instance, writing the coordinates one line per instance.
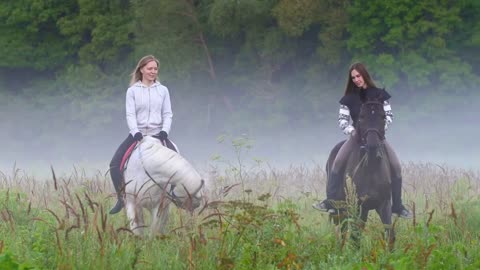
(321, 206)
(404, 213)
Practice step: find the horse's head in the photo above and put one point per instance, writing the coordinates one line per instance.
(371, 124)
(188, 200)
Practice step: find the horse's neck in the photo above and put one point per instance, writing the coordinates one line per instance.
(361, 160)
(354, 160)
(365, 166)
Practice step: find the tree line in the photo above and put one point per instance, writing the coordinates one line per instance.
(232, 60)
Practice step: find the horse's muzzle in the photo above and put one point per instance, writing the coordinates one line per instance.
(372, 141)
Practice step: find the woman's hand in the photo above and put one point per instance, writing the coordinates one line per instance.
(162, 135)
(138, 136)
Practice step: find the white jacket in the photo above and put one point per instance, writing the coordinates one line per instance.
(148, 109)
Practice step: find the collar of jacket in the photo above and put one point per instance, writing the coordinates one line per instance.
(140, 84)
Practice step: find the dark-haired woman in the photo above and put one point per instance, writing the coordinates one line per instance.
(361, 86)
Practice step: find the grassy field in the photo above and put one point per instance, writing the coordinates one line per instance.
(255, 218)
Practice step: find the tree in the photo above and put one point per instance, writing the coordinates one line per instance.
(171, 31)
(101, 31)
(30, 37)
(407, 42)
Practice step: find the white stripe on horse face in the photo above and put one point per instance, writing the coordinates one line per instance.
(387, 107)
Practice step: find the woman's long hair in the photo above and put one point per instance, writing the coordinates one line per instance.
(137, 74)
(360, 68)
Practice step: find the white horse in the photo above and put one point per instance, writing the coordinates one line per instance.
(155, 176)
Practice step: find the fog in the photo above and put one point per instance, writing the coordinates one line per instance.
(34, 139)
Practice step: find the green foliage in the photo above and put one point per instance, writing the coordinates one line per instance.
(17, 217)
(30, 38)
(172, 31)
(295, 17)
(69, 229)
(332, 35)
(8, 262)
(410, 39)
(101, 31)
(233, 18)
(15, 207)
(256, 236)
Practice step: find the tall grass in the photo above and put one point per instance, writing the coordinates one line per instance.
(255, 218)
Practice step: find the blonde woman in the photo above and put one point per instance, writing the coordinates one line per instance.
(149, 113)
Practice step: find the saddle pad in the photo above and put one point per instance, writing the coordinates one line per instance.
(127, 155)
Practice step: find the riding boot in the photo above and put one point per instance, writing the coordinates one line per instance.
(397, 206)
(118, 185)
(334, 186)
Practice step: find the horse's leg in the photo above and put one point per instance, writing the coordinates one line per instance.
(160, 214)
(359, 225)
(134, 214)
(385, 213)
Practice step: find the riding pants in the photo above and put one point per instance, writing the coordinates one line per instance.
(115, 172)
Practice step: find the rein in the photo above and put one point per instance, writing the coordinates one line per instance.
(363, 134)
(364, 160)
(360, 164)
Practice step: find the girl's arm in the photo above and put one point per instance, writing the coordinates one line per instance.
(344, 120)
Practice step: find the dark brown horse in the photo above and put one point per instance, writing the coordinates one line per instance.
(368, 168)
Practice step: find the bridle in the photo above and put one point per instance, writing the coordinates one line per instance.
(363, 133)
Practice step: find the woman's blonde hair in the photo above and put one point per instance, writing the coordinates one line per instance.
(136, 74)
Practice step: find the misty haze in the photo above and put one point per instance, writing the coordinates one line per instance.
(417, 135)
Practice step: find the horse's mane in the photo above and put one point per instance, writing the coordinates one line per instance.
(163, 162)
